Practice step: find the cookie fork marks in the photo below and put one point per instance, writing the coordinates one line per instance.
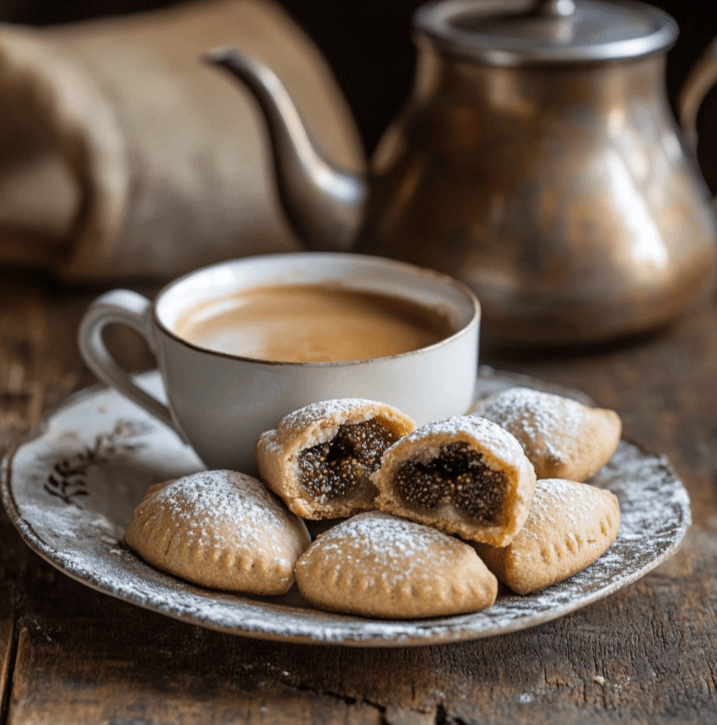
(569, 526)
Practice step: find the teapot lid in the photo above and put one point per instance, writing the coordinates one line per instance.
(519, 32)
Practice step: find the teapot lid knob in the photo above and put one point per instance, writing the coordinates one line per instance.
(555, 8)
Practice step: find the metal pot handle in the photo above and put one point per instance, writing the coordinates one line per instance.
(700, 80)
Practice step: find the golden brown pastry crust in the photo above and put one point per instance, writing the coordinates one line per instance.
(500, 451)
(277, 453)
(378, 565)
(570, 526)
(219, 529)
(562, 437)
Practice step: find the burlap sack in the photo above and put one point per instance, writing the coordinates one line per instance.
(123, 155)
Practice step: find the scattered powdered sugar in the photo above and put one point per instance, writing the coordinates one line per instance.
(60, 520)
(63, 522)
(534, 418)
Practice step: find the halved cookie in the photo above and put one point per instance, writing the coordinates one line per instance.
(319, 458)
(570, 526)
(462, 475)
(379, 565)
(562, 437)
(219, 529)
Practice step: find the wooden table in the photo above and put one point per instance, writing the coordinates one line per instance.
(645, 654)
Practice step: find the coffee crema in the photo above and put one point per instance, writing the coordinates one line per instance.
(312, 323)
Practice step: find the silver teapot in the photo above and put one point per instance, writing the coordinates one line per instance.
(537, 160)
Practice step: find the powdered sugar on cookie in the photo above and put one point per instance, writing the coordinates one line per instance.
(213, 506)
(494, 438)
(318, 416)
(383, 566)
(555, 499)
(395, 546)
(219, 529)
(562, 437)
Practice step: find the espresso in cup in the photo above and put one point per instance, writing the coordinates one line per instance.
(312, 323)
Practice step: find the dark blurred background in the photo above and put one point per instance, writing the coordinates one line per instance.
(368, 45)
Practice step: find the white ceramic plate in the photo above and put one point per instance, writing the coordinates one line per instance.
(71, 488)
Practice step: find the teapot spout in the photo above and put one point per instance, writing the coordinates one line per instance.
(323, 204)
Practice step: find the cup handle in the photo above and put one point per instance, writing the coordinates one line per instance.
(701, 78)
(127, 308)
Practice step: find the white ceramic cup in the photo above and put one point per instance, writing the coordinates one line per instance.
(220, 404)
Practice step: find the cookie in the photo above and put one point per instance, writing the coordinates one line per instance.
(319, 458)
(219, 529)
(462, 475)
(570, 526)
(378, 565)
(562, 437)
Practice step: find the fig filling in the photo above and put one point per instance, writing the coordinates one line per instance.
(459, 474)
(333, 469)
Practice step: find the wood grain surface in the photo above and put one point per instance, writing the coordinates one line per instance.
(647, 654)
